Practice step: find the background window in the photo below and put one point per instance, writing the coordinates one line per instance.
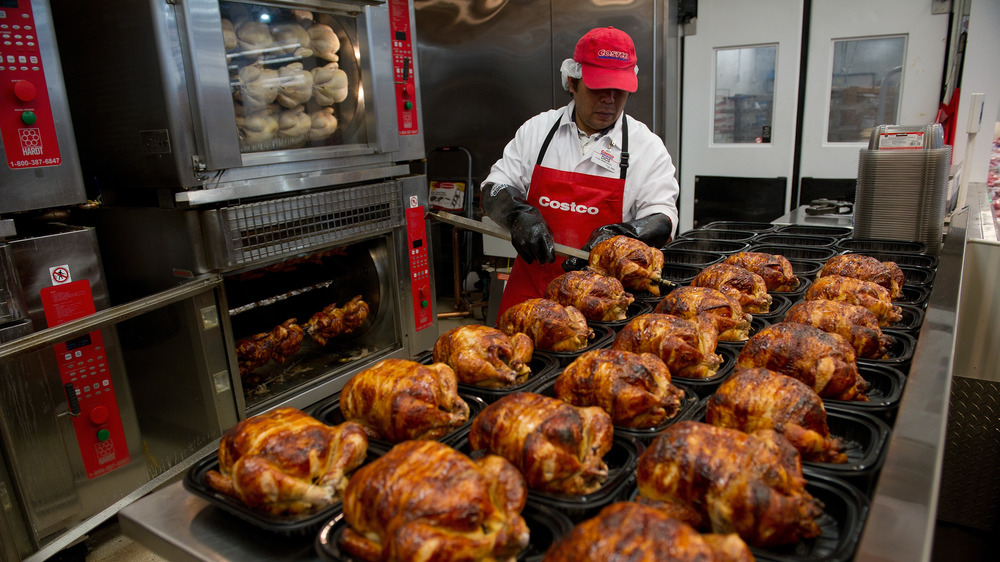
(865, 86)
(744, 94)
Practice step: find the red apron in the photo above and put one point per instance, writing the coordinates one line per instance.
(573, 205)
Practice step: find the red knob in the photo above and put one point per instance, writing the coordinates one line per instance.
(407, 90)
(99, 415)
(24, 90)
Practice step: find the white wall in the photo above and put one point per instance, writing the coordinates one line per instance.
(981, 74)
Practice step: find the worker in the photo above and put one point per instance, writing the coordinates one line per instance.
(582, 173)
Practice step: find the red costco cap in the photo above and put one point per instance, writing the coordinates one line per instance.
(607, 57)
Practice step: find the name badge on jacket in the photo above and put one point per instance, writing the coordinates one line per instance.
(606, 158)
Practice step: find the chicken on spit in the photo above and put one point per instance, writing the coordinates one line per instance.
(424, 500)
(550, 325)
(726, 481)
(755, 399)
(558, 448)
(686, 346)
(743, 285)
(485, 356)
(854, 323)
(865, 268)
(637, 265)
(332, 321)
(277, 345)
(775, 269)
(399, 399)
(634, 388)
(723, 310)
(870, 295)
(600, 298)
(285, 462)
(823, 361)
(633, 531)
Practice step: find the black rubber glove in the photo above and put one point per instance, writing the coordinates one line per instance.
(654, 230)
(530, 235)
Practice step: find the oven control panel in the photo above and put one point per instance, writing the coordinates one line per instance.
(26, 122)
(420, 272)
(402, 66)
(86, 378)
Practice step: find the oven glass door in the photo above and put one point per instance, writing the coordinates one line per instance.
(295, 75)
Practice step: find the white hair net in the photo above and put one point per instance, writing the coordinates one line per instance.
(572, 69)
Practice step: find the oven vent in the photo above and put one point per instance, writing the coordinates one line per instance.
(259, 232)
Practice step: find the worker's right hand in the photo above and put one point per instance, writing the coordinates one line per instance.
(530, 235)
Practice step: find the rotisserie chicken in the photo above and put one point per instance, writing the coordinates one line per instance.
(558, 448)
(332, 321)
(550, 325)
(865, 268)
(823, 361)
(399, 399)
(743, 285)
(285, 462)
(725, 481)
(897, 275)
(870, 295)
(637, 265)
(634, 388)
(600, 298)
(723, 310)
(424, 500)
(485, 356)
(755, 399)
(278, 345)
(686, 346)
(854, 323)
(774, 269)
(633, 531)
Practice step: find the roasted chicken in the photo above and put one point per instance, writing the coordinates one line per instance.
(332, 321)
(743, 285)
(278, 345)
(637, 265)
(823, 361)
(600, 298)
(558, 448)
(633, 388)
(550, 325)
(633, 531)
(870, 295)
(686, 346)
(865, 268)
(399, 399)
(485, 356)
(726, 481)
(774, 269)
(897, 275)
(854, 323)
(755, 399)
(723, 310)
(426, 501)
(285, 462)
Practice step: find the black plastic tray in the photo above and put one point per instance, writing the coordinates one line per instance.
(804, 283)
(705, 387)
(899, 353)
(805, 269)
(713, 246)
(914, 295)
(845, 509)
(679, 273)
(329, 413)
(291, 526)
(901, 258)
(797, 240)
(913, 318)
(545, 524)
(885, 388)
(673, 256)
(780, 303)
(603, 337)
(756, 325)
(718, 234)
(635, 309)
(815, 230)
(866, 438)
(918, 276)
(808, 253)
(864, 245)
(543, 367)
(754, 226)
(689, 407)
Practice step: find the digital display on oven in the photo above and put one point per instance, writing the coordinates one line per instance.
(82, 341)
(8, 3)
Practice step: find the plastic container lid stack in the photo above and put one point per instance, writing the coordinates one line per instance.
(903, 184)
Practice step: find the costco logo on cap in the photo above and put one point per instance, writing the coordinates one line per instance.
(607, 54)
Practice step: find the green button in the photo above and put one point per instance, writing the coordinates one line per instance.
(28, 117)
(424, 304)
(407, 105)
(103, 435)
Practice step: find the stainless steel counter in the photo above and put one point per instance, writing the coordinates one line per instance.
(798, 215)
